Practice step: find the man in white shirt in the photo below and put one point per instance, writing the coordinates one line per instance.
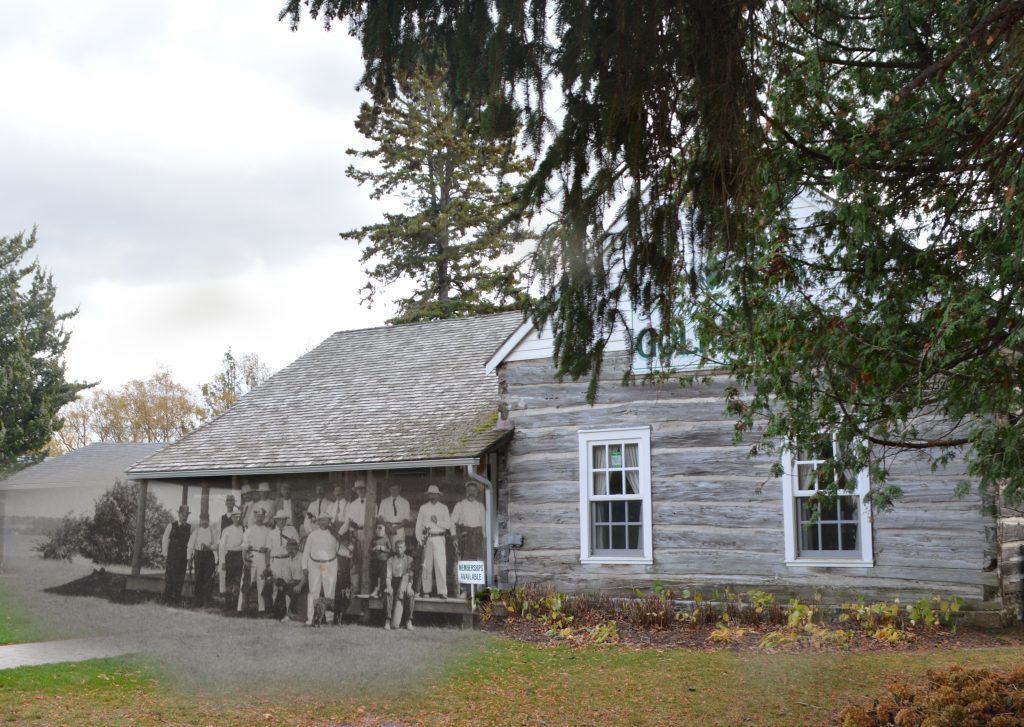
(394, 512)
(433, 524)
(320, 563)
(225, 521)
(284, 502)
(288, 584)
(201, 545)
(265, 500)
(232, 561)
(468, 518)
(247, 505)
(278, 541)
(354, 521)
(320, 504)
(255, 545)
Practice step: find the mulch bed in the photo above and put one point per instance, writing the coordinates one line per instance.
(698, 637)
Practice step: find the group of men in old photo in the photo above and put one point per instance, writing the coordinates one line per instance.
(269, 555)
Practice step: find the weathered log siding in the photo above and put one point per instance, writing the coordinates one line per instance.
(717, 513)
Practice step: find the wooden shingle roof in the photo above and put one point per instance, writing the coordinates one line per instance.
(95, 465)
(361, 399)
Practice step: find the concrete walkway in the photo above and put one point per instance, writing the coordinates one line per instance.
(13, 656)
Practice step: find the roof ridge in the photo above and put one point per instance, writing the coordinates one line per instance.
(436, 321)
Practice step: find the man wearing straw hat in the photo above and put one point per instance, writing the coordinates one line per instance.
(255, 545)
(433, 524)
(320, 562)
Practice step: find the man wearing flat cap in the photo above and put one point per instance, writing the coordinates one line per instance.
(433, 524)
(175, 550)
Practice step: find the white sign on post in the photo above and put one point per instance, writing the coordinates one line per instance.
(471, 572)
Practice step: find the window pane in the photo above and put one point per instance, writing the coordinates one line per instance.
(618, 537)
(850, 537)
(805, 476)
(615, 455)
(632, 455)
(808, 537)
(808, 511)
(601, 514)
(633, 509)
(632, 482)
(601, 539)
(600, 483)
(830, 537)
(618, 512)
(829, 509)
(848, 507)
(634, 537)
(600, 461)
(615, 483)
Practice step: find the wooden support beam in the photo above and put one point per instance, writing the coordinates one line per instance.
(204, 501)
(370, 520)
(142, 490)
(184, 495)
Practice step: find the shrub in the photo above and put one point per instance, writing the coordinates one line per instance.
(654, 610)
(951, 697)
(589, 607)
(66, 540)
(111, 535)
(108, 537)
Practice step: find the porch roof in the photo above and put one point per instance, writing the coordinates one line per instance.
(397, 396)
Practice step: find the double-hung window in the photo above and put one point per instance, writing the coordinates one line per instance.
(821, 529)
(615, 496)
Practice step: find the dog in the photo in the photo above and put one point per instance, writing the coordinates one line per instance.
(320, 609)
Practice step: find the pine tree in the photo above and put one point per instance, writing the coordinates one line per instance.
(897, 303)
(33, 340)
(457, 187)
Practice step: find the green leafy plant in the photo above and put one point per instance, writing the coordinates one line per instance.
(763, 608)
(799, 613)
(606, 632)
(870, 617)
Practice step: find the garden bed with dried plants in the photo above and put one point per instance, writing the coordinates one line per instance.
(752, 620)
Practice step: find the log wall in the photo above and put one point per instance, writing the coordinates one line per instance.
(717, 513)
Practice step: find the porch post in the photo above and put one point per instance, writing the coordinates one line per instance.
(142, 490)
(184, 495)
(204, 501)
(370, 522)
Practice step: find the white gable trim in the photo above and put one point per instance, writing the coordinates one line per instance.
(509, 345)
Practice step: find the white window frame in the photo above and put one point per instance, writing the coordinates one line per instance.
(642, 437)
(865, 559)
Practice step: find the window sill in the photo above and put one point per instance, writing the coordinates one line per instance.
(612, 560)
(829, 563)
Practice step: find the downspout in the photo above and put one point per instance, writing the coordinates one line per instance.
(489, 499)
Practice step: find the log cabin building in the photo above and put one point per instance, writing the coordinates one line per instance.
(646, 485)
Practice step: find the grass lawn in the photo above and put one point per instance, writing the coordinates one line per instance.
(500, 682)
(15, 625)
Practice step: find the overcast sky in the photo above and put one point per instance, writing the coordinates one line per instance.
(184, 162)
